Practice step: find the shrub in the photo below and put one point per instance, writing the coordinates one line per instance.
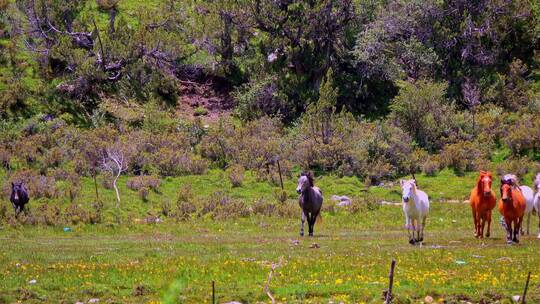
(524, 136)
(95, 215)
(280, 195)
(431, 166)
(166, 207)
(39, 186)
(67, 190)
(288, 209)
(518, 166)
(461, 156)
(143, 193)
(75, 214)
(422, 109)
(231, 208)
(184, 210)
(49, 214)
(236, 175)
(263, 207)
(184, 194)
(149, 182)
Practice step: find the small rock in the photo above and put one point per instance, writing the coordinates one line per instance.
(459, 262)
(295, 242)
(67, 229)
(234, 302)
(314, 245)
(78, 302)
(32, 281)
(516, 298)
(18, 265)
(428, 299)
(454, 221)
(93, 300)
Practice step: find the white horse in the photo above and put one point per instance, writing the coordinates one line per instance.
(415, 209)
(536, 200)
(528, 194)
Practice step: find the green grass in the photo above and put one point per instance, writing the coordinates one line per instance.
(178, 261)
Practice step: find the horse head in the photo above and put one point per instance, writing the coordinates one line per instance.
(484, 182)
(17, 190)
(506, 189)
(305, 181)
(408, 187)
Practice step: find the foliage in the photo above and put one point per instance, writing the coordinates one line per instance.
(422, 110)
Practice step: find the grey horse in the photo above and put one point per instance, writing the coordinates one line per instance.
(310, 201)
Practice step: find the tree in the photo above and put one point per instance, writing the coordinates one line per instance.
(115, 162)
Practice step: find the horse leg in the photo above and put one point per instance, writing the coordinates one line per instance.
(422, 231)
(413, 228)
(528, 222)
(408, 226)
(311, 221)
(303, 220)
(508, 223)
(475, 219)
(489, 224)
(538, 213)
(517, 229)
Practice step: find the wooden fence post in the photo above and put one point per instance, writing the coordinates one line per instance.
(213, 292)
(523, 301)
(390, 283)
(280, 178)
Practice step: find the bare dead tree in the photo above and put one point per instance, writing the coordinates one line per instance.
(114, 161)
(471, 97)
(267, 286)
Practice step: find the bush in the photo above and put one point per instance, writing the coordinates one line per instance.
(263, 207)
(39, 186)
(524, 136)
(431, 167)
(422, 109)
(184, 194)
(280, 195)
(184, 210)
(518, 166)
(75, 214)
(143, 193)
(49, 214)
(236, 175)
(461, 156)
(147, 182)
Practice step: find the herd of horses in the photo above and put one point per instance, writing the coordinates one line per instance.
(516, 202)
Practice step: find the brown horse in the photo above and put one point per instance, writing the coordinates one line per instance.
(310, 201)
(512, 206)
(482, 201)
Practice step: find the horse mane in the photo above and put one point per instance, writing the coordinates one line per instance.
(310, 178)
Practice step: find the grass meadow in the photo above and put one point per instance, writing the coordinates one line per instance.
(176, 261)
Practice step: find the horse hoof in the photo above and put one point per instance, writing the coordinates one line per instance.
(311, 234)
(420, 240)
(515, 241)
(301, 234)
(487, 235)
(412, 241)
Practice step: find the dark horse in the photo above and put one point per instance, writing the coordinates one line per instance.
(19, 197)
(310, 201)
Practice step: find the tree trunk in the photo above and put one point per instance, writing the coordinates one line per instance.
(117, 193)
(95, 186)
